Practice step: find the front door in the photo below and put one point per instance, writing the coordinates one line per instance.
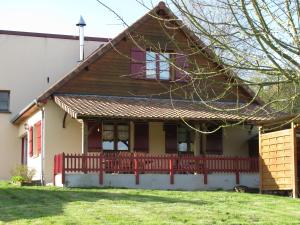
(24, 150)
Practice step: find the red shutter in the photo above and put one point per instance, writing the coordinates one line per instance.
(214, 143)
(94, 136)
(141, 137)
(30, 140)
(38, 129)
(181, 63)
(170, 138)
(138, 63)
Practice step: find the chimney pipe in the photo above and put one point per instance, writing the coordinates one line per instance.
(81, 24)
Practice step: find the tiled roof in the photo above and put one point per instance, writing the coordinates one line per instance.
(81, 106)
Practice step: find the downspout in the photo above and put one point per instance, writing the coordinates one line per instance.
(43, 147)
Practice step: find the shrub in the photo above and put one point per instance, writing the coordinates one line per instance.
(22, 174)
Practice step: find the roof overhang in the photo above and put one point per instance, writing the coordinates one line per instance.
(26, 112)
(94, 106)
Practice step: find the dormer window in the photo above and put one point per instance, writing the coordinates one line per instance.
(157, 65)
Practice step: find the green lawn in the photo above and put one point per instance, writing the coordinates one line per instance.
(49, 205)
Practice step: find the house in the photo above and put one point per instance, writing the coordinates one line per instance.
(125, 116)
(30, 64)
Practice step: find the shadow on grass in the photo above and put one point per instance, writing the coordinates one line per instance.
(35, 202)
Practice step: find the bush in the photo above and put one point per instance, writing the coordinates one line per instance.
(22, 174)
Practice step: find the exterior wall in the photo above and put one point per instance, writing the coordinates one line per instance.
(162, 181)
(10, 147)
(156, 138)
(235, 140)
(34, 162)
(26, 62)
(57, 138)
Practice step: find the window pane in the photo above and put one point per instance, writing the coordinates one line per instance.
(164, 66)
(123, 145)
(123, 132)
(3, 106)
(108, 145)
(4, 100)
(150, 65)
(182, 147)
(123, 137)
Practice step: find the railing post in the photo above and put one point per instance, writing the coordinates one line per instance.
(84, 164)
(54, 169)
(63, 168)
(136, 170)
(237, 173)
(204, 170)
(101, 169)
(171, 167)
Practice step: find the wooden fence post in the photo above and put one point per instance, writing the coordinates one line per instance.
(237, 173)
(101, 169)
(171, 171)
(136, 170)
(204, 170)
(63, 168)
(84, 163)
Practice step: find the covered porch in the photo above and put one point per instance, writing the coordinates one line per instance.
(153, 143)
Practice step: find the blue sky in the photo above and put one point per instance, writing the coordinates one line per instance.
(60, 16)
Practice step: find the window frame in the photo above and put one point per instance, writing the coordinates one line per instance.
(157, 63)
(115, 135)
(8, 102)
(190, 140)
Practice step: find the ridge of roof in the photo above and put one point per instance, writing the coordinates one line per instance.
(49, 35)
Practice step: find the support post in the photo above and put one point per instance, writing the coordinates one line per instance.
(136, 170)
(203, 140)
(295, 164)
(197, 141)
(171, 171)
(101, 169)
(260, 162)
(84, 137)
(63, 173)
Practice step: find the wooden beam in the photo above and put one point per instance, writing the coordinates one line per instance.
(197, 141)
(84, 137)
(294, 161)
(260, 160)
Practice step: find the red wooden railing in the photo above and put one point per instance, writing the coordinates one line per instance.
(134, 163)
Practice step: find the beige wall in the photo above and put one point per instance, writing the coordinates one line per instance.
(235, 140)
(156, 138)
(25, 64)
(10, 147)
(57, 138)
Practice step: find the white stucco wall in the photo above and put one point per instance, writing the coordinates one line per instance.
(224, 181)
(25, 64)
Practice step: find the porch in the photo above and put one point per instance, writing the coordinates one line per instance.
(149, 171)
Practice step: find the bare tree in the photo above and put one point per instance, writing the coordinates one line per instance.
(255, 43)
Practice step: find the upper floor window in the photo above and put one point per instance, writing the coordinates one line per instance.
(4, 101)
(157, 65)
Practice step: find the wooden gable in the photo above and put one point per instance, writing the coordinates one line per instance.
(111, 75)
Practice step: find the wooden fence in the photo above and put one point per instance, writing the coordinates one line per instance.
(133, 163)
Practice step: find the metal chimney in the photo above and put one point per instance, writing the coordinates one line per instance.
(81, 24)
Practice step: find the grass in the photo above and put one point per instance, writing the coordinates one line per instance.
(50, 205)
